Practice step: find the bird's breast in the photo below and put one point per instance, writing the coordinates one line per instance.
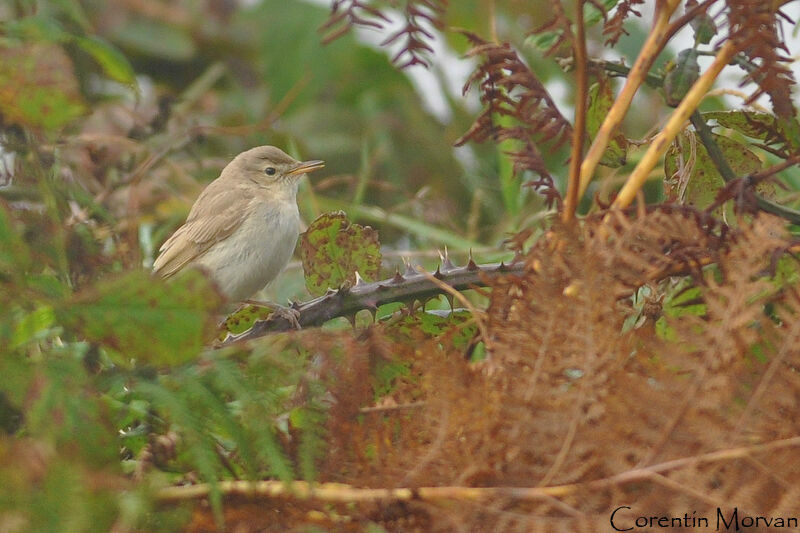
(256, 252)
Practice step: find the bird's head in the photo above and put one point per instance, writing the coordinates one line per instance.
(270, 167)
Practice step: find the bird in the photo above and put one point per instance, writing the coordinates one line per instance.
(243, 228)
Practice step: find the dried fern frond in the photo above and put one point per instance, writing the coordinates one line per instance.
(415, 37)
(559, 24)
(348, 13)
(755, 27)
(508, 88)
(613, 28)
(417, 15)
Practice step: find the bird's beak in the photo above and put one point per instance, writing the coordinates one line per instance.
(306, 166)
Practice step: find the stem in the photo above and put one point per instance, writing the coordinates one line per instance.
(340, 492)
(674, 125)
(650, 50)
(411, 286)
(704, 132)
(714, 152)
(579, 130)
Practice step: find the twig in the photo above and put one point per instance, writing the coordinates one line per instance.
(342, 493)
(579, 129)
(398, 407)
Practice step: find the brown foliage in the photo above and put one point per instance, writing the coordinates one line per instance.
(417, 13)
(613, 28)
(567, 401)
(508, 88)
(755, 27)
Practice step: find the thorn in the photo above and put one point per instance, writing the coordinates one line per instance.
(330, 291)
(502, 267)
(438, 274)
(359, 279)
(398, 277)
(409, 269)
(471, 266)
(447, 264)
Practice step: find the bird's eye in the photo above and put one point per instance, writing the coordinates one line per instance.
(270, 171)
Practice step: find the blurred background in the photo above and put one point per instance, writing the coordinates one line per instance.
(140, 103)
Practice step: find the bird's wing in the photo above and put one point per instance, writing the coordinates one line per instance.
(215, 215)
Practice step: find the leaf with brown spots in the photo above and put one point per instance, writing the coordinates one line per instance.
(333, 249)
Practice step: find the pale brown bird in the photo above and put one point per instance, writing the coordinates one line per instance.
(244, 226)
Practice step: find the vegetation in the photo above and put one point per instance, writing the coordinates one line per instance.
(598, 310)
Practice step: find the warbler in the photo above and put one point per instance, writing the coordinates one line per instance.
(243, 228)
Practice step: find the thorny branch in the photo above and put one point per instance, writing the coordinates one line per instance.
(408, 287)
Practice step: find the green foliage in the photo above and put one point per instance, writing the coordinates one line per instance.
(242, 319)
(114, 64)
(681, 299)
(39, 88)
(693, 177)
(142, 317)
(754, 124)
(680, 76)
(333, 249)
(600, 99)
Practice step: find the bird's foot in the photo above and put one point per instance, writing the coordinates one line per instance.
(289, 314)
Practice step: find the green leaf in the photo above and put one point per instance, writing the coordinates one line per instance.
(601, 97)
(681, 75)
(751, 123)
(704, 28)
(544, 41)
(113, 62)
(243, 319)
(333, 250)
(33, 326)
(692, 177)
(681, 300)
(684, 299)
(142, 317)
(592, 15)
